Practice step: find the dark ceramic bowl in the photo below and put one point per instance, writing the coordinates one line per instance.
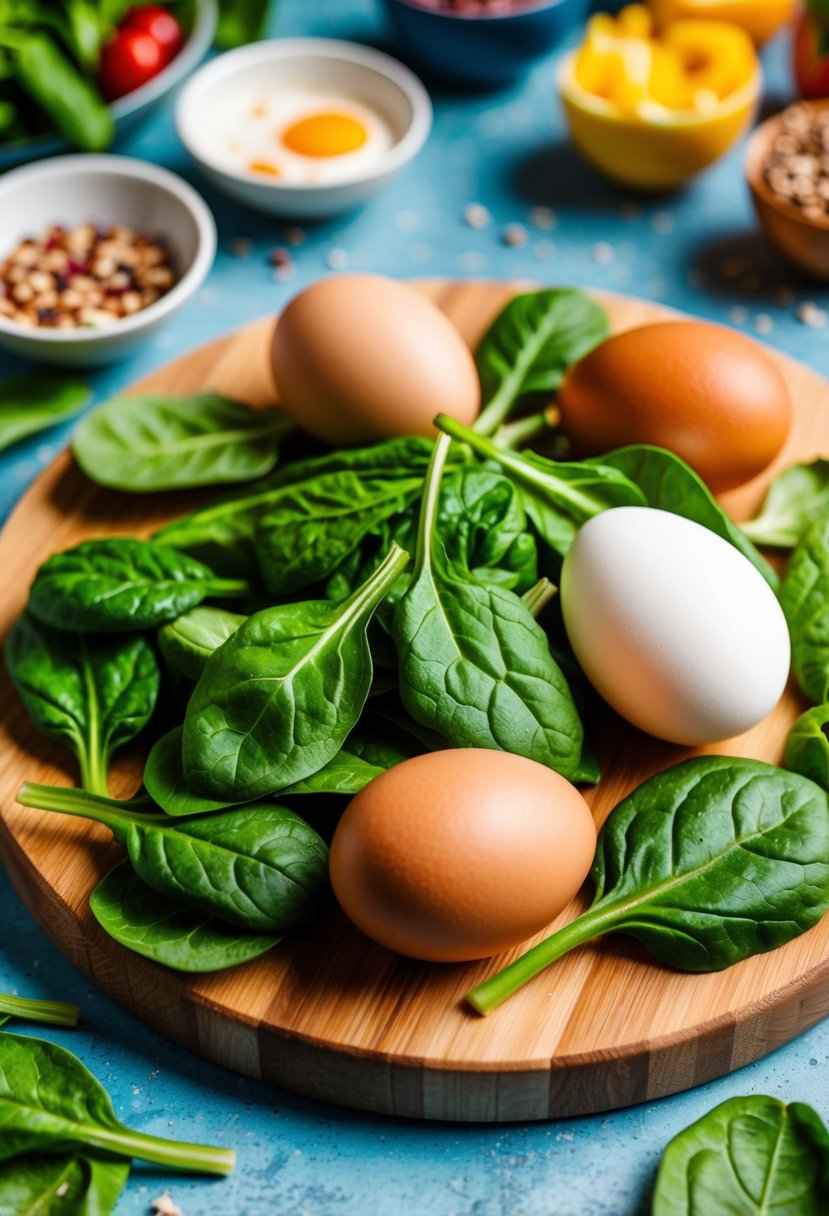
(474, 51)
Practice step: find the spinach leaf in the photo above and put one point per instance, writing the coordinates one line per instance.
(241, 22)
(705, 864)
(106, 586)
(187, 642)
(530, 345)
(474, 664)
(91, 694)
(147, 442)
(361, 563)
(482, 526)
(168, 931)
(36, 401)
(669, 484)
(53, 1013)
(346, 773)
(260, 867)
(63, 1184)
(164, 780)
(222, 533)
(748, 1156)
(807, 746)
(49, 1101)
(558, 496)
(804, 598)
(277, 699)
(314, 525)
(795, 498)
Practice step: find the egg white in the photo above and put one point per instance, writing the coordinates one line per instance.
(250, 131)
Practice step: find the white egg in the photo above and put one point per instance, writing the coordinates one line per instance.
(344, 138)
(673, 626)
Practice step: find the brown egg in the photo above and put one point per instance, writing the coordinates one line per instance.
(359, 358)
(710, 395)
(460, 854)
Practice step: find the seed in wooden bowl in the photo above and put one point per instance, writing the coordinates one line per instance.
(83, 277)
(797, 165)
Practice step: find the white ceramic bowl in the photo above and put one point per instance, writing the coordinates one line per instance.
(357, 72)
(73, 190)
(129, 110)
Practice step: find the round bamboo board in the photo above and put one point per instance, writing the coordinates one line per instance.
(332, 1015)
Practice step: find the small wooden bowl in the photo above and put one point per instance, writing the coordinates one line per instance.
(802, 240)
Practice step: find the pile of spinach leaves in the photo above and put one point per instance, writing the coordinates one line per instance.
(374, 603)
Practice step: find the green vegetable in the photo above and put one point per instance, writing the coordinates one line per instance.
(167, 930)
(260, 867)
(558, 496)
(241, 21)
(91, 694)
(807, 747)
(165, 783)
(482, 526)
(222, 534)
(795, 498)
(277, 699)
(748, 1156)
(671, 485)
(313, 524)
(705, 864)
(53, 1013)
(346, 774)
(49, 78)
(147, 442)
(62, 1184)
(187, 642)
(529, 347)
(106, 586)
(804, 598)
(49, 1101)
(36, 401)
(474, 664)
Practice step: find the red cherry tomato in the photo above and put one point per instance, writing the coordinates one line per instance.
(128, 60)
(811, 55)
(160, 24)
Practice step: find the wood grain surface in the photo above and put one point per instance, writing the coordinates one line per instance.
(332, 1015)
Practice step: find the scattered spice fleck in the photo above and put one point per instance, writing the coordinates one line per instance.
(61, 1190)
(763, 323)
(241, 247)
(544, 218)
(630, 211)
(809, 314)
(421, 253)
(472, 260)
(738, 315)
(544, 250)
(602, 253)
(514, 236)
(662, 221)
(475, 215)
(163, 1206)
(406, 221)
(293, 236)
(337, 259)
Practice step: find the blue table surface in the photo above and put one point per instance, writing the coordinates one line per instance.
(697, 251)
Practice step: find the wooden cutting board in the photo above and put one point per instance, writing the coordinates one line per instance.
(332, 1015)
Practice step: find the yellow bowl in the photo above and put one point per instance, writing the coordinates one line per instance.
(657, 152)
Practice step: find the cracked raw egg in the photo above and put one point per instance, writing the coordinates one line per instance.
(301, 135)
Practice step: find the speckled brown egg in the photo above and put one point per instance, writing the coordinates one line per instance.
(461, 854)
(359, 358)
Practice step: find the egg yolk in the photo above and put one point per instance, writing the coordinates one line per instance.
(325, 135)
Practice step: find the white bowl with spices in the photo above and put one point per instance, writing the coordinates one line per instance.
(303, 127)
(98, 252)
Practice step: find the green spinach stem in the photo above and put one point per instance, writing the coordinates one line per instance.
(66, 800)
(494, 991)
(539, 596)
(53, 1013)
(429, 503)
(228, 588)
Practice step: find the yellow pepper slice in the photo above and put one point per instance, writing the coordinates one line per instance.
(689, 65)
(761, 19)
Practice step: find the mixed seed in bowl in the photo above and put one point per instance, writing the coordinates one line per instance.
(83, 277)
